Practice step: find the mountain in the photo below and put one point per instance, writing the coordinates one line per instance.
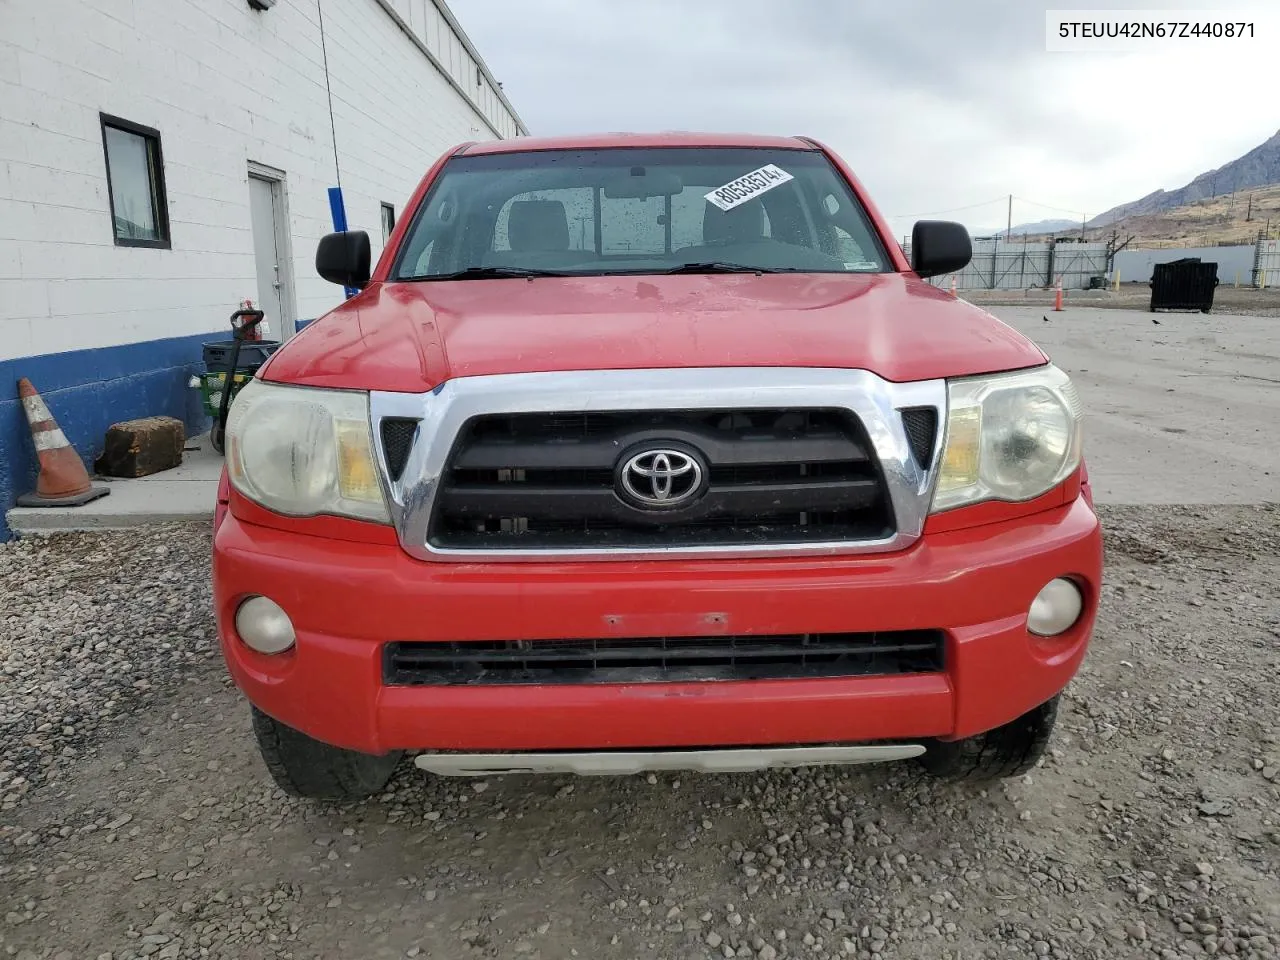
(1040, 226)
(1259, 167)
(1045, 226)
(1224, 219)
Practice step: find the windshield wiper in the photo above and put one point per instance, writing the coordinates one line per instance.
(717, 266)
(504, 273)
(490, 273)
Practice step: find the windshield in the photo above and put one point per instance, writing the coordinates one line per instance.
(629, 210)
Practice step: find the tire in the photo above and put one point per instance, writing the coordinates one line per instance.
(216, 437)
(1007, 751)
(308, 768)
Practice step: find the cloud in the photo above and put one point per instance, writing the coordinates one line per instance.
(936, 104)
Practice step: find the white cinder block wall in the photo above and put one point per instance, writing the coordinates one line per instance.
(225, 86)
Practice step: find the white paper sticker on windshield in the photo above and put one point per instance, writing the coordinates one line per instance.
(748, 186)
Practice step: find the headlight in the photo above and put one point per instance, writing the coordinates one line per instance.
(1008, 437)
(304, 452)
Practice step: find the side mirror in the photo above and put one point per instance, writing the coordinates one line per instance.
(939, 246)
(344, 258)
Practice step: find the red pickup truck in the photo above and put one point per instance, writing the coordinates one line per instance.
(651, 452)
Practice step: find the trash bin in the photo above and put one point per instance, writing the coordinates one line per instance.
(1185, 284)
(253, 354)
(217, 356)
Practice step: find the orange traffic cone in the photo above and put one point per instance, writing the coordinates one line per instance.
(953, 284)
(63, 480)
(1057, 297)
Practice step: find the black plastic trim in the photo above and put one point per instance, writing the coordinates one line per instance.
(662, 659)
(397, 434)
(921, 424)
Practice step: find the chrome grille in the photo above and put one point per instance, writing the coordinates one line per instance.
(552, 480)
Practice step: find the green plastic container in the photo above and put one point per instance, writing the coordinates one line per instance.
(211, 385)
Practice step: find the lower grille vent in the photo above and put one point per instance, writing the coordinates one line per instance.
(663, 659)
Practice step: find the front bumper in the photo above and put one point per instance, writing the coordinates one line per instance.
(347, 598)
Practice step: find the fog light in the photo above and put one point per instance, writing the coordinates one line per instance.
(1055, 609)
(264, 626)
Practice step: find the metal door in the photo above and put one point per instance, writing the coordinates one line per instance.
(270, 254)
(1266, 272)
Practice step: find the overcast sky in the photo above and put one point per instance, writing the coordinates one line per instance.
(937, 104)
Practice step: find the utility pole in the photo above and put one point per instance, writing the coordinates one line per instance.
(1083, 219)
(1249, 215)
(1008, 230)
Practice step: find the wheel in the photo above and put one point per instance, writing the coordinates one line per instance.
(1007, 751)
(308, 768)
(215, 436)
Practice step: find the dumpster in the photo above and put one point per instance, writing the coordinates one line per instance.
(1185, 284)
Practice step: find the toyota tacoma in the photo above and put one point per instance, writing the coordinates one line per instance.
(651, 452)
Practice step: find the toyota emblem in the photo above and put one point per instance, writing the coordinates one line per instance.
(661, 478)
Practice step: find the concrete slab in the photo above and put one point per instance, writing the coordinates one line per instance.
(187, 492)
(1183, 411)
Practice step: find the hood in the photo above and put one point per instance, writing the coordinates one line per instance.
(412, 336)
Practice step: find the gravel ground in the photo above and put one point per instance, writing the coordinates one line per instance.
(137, 820)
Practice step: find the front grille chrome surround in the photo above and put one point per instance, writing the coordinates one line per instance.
(875, 402)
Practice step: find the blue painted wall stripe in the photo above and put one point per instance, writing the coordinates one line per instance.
(87, 391)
